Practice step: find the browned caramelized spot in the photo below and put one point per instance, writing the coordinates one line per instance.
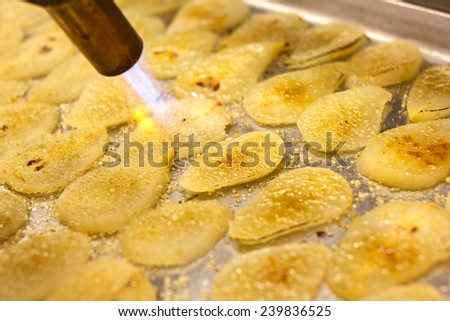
(45, 49)
(166, 54)
(276, 272)
(52, 39)
(4, 128)
(27, 35)
(321, 233)
(39, 168)
(209, 83)
(34, 161)
(429, 153)
(414, 229)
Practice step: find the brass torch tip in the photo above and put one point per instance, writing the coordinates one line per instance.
(100, 31)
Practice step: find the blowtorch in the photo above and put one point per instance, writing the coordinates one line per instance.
(100, 31)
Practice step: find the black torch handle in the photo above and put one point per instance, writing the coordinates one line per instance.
(100, 31)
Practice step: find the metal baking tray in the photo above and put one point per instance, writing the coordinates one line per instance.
(383, 21)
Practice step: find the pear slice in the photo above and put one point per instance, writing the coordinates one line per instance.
(408, 292)
(13, 214)
(212, 15)
(233, 162)
(227, 75)
(175, 234)
(168, 55)
(385, 64)
(30, 269)
(281, 99)
(48, 166)
(351, 116)
(429, 97)
(267, 27)
(291, 272)
(23, 122)
(104, 280)
(390, 245)
(295, 200)
(410, 157)
(326, 43)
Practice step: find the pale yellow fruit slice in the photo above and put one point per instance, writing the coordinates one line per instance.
(106, 199)
(227, 75)
(413, 156)
(107, 102)
(104, 280)
(385, 64)
(351, 116)
(175, 234)
(32, 268)
(36, 56)
(295, 200)
(234, 161)
(271, 27)
(409, 292)
(146, 26)
(66, 82)
(212, 15)
(23, 122)
(12, 91)
(281, 99)
(326, 43)
(429, 97)
(168, 55)
(291, 272)
(51, 164)
(392, 244)
(13, 214)
(153, 7)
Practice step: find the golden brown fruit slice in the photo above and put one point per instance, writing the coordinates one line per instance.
(385, 64)
(429, 97)
(295, 200)
(392, 244)
(36, 56)
(227, 75)
(413, 156)
(13, 214)
(409, 292)
(234, 161)
(106, 199)
(282, 99)
(175, 234)
(50, 165)
(212, 15)
(352, 116)
(12, 90)
(326, 43)
(23, 122)
(290, 272)
(267, 27)
(66, 82)
(168, 55)
(104, 280)
(31, 269)
(107, 102)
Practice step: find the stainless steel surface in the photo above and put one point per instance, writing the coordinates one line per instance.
(383, 21)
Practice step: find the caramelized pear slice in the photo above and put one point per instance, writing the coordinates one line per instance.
(390, 245)
(352, 116)
(234, 161)
(429, 98)
(175, 234)
(410, 157)
(326, 43)
(385, 64)
(291, 272)
(281, 99)
(296, 200)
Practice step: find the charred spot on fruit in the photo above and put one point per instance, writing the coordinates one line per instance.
(45, 49)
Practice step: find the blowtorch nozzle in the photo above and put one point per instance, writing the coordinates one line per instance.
(100, 31)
